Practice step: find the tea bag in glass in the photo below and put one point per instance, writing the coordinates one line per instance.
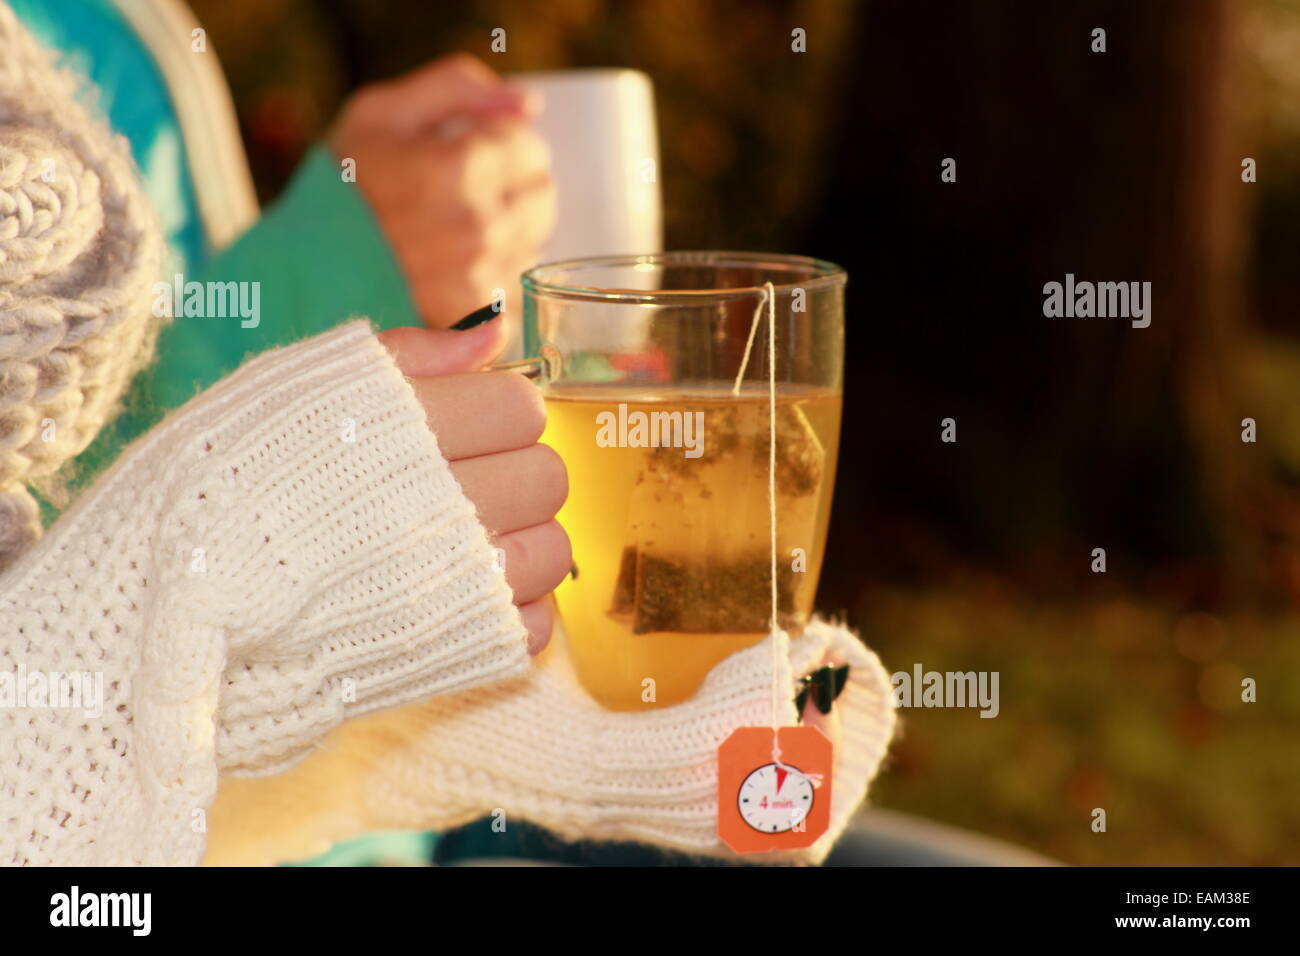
(696, 558)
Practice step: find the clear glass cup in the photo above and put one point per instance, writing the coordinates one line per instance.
(666, 444)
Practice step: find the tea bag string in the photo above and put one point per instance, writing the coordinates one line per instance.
(778, 639)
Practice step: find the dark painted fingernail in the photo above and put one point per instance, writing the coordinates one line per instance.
(823, 685)
(824, 690)
(801, 701)
(478, 317)
(830, 684)
(841, 678)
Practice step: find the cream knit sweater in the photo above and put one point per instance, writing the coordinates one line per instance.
(539, 748)
(243, 579)
(280, 615)
(246, 578)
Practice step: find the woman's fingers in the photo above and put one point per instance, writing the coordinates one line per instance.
(487, 425)
(539, 619)
(536, 560)
(456, 85)
(481, 413)
(424, 352)
(514, 489)
(829, 724)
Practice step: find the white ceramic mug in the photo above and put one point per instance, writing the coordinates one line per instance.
(600, 127)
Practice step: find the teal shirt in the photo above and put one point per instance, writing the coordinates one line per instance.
(316, 257)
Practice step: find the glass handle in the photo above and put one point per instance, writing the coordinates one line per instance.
(545, 367)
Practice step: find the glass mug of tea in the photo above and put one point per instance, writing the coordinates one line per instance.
(666, 441)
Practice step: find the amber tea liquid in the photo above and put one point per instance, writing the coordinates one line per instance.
(671, 543)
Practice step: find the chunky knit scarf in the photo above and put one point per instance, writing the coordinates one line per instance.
(79, 251)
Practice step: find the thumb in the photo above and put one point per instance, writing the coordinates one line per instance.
(420, 353)
(456, 85)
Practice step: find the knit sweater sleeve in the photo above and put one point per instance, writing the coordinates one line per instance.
(287, 550)
(539, 748)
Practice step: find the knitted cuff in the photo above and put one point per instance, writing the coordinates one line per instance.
(539, 748)
(543, 750)
(868, 722)
(346, 566)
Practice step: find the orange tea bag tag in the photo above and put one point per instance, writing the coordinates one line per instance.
(774, 794)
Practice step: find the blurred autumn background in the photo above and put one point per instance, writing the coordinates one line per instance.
(1120, 690)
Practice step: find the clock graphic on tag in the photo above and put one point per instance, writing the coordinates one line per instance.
(765, 805)
(775, 798)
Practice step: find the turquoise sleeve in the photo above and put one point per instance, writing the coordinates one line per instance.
(317, 257)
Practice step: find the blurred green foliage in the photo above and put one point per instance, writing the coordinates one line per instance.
(1133, 708)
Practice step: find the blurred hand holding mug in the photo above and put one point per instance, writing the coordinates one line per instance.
(469, 174)
(457, 178)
